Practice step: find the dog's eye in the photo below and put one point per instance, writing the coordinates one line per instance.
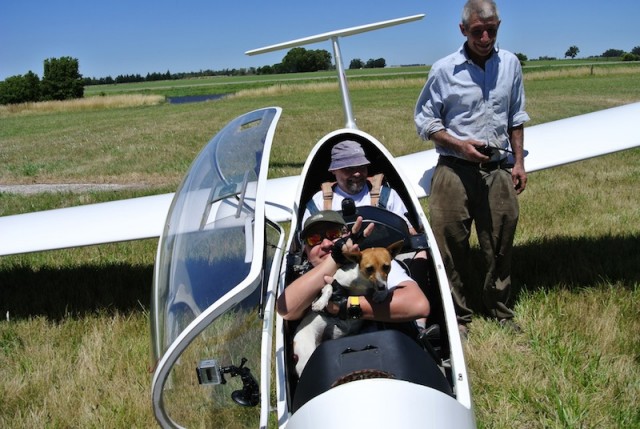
(370, 270)
(386, 268)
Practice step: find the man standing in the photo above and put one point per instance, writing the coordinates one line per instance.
(472, 108)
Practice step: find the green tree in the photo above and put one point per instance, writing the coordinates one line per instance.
(611, 53)
(20, 89)
(320, 60)
(374, 64)
(522, 58)
(265, 70)
(294, 60)
(636, 51)
(572, 52)
(299, 60)
(62, 79)
(356, 64)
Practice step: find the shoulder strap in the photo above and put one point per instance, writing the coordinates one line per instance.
(385, 191)
(379, 193)
(311, 206)
(327, 194)
(376, 185)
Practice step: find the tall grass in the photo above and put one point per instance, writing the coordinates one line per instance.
(576, 366)
(81, 104)
(74, 347)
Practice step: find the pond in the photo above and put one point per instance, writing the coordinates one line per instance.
(194, 98)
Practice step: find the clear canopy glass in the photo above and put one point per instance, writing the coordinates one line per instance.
(210, 281)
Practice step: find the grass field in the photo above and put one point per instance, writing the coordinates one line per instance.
(74, 335)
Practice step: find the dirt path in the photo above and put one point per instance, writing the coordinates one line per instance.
(64, 187)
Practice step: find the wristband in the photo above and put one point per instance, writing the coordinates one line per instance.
(354, 311)
(336, 252)
(356, 236)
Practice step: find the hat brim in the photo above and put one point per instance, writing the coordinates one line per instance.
(304, 232)
(352, 162)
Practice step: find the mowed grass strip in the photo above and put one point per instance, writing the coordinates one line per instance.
(74, 345)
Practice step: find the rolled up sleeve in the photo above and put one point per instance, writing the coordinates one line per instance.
(427, 115)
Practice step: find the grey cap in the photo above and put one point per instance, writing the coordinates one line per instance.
(324, 216)
(347, 154)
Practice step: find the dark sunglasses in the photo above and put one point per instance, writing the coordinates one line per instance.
(478, 32)
(316, 238)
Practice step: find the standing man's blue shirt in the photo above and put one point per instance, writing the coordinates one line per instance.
(480, 104)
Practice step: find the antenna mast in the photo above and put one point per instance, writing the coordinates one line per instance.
(344, 88)
(333, 36)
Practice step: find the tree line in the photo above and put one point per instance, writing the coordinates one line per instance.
(573, 52)
(301, 60)
(634, 55)
(62, 80)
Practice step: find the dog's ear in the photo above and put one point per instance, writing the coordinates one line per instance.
(395, 248)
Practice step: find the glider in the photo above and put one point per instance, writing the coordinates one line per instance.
(223, 258)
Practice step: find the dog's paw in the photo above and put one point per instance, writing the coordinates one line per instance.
(318, 305)
(321, 302)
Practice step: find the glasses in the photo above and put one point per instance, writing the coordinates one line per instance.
(316, 238)
(351, 170)
(479, 32)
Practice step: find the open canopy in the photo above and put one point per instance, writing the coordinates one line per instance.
(208, 303)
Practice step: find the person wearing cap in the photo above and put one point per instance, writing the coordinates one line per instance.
(350, 167)
(405, 302)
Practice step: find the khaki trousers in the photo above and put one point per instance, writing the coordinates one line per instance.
(463, 194)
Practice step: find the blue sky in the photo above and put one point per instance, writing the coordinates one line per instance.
(141, 36)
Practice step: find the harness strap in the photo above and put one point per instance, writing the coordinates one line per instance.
(376, 184)
(384, 196)
(327, 194)
(379, 193)
(311, 206)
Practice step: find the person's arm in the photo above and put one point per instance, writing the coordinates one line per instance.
(294, 301)
(518, 173)
(298, 296)
(405, 303)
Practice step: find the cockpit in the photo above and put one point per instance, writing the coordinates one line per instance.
(387, 350)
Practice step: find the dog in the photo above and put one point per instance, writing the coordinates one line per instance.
(366, 274)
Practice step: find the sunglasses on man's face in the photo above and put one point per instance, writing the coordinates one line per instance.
(316, 238)
(479, 32)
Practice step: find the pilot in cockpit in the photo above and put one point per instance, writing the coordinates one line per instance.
(350, 167)
(405, 302)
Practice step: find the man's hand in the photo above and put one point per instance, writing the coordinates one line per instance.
(519, 178)
(468, 149)
(357, 226)
(347, 242)
(476, 151)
